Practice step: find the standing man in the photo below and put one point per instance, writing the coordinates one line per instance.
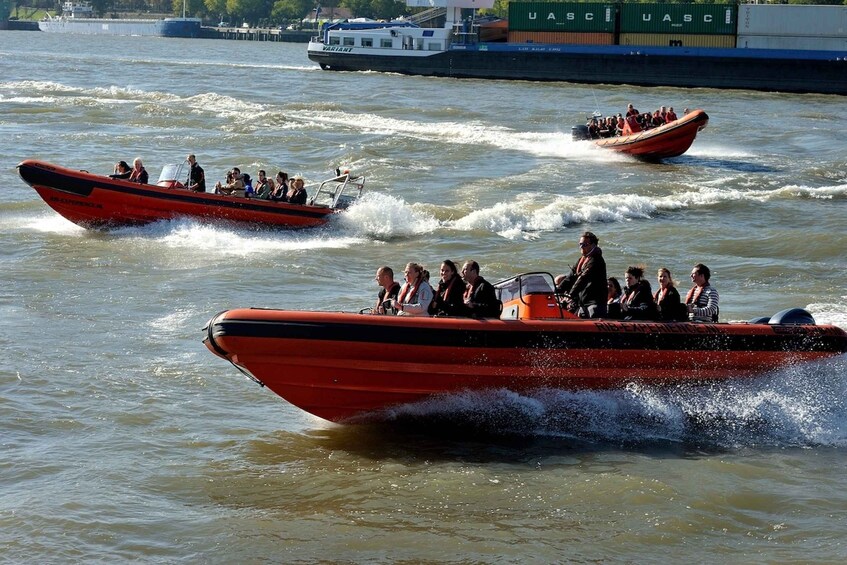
(480, 297)
(589, 288)
(702, 300)
(196, 176)
(389, 289)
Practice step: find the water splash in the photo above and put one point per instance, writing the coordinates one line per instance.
(797, 407)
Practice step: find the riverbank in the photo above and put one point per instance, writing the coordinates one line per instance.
(237, 33)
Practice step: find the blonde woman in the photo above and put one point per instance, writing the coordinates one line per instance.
(415, 295)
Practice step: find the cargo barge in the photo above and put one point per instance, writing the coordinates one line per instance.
(76, 19)
(697, 45)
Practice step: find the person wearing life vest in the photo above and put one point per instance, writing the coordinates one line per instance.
(449, 296)
(667, 299)
(480, 298)
(415, 295)
(702, 300)
(389, 289)
(587, 280)
(637, 300)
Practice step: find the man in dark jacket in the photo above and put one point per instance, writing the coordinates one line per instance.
(587, 281)
(480, 297)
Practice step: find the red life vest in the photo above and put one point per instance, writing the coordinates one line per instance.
(403, 298)
(694, 294)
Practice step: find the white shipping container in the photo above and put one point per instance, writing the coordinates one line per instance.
(792, 20)
(792, 42)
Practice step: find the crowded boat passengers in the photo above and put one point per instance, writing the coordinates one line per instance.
(634, 121)
(279, 189)
(586, 291)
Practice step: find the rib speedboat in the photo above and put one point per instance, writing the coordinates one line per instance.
(348, 367)
(100, 202)
(668, 140)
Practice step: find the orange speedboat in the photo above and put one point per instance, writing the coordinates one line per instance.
(668, 140)
(100, 202)
(349, 367)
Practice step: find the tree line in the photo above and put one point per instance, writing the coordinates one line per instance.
(268, 13)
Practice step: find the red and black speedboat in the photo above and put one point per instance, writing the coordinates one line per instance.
(669, 140)
(100, 202)
(342, 366)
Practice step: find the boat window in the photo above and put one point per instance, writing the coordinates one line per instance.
(385, 42)
(367, 42)
(434, 47)
(173, 172)
(349, 41)
(334, 40)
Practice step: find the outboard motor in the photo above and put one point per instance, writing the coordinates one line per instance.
(792, 317)
(580, 133)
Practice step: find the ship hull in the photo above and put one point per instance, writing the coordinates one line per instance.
(169, 27)
(752, 69)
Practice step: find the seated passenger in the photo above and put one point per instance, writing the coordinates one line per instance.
(280, 192)
(415, 295)
(615, 291)
(668, 304)
(671, 116)
(631, 111)
(264, 186)
(297, 193)
(702, 301)
(449, 296)
(637, 300)
(248, 185)
(234, 184)
(389, 289)
(122, 170)
(139, 173)
(480, 298)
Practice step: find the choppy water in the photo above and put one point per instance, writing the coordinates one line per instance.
(123, 438)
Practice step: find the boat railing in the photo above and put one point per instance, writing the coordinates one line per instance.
(530, 295)
(173, 175)
(339, 192)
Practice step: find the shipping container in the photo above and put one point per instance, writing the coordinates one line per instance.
(494, 31)
(792, 42)
(561, 37)
(562, 16)
(788, 19)
(676, 40)
(700, 19)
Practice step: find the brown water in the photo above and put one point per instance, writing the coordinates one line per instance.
(124, 439)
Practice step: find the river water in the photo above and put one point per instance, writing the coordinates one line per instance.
(123, 438)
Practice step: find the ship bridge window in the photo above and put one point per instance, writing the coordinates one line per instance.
(367, 42)
(385, 42)
(333, 40)
(349, 41)
(428, 33)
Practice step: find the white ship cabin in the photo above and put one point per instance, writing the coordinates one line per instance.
(74, 10)
(402, 34)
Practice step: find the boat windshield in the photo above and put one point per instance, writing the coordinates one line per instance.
(524, 284)
(339, 192)
(173, 172)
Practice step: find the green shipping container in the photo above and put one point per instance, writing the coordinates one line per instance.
(700, 19)
(562, 16)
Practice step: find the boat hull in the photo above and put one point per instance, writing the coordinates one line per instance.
(749, 69)
(669, 140)
(99, 202)
(345, 366)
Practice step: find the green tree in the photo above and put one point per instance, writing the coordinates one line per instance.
(193, 8)
(290, 9)
(102, 6)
